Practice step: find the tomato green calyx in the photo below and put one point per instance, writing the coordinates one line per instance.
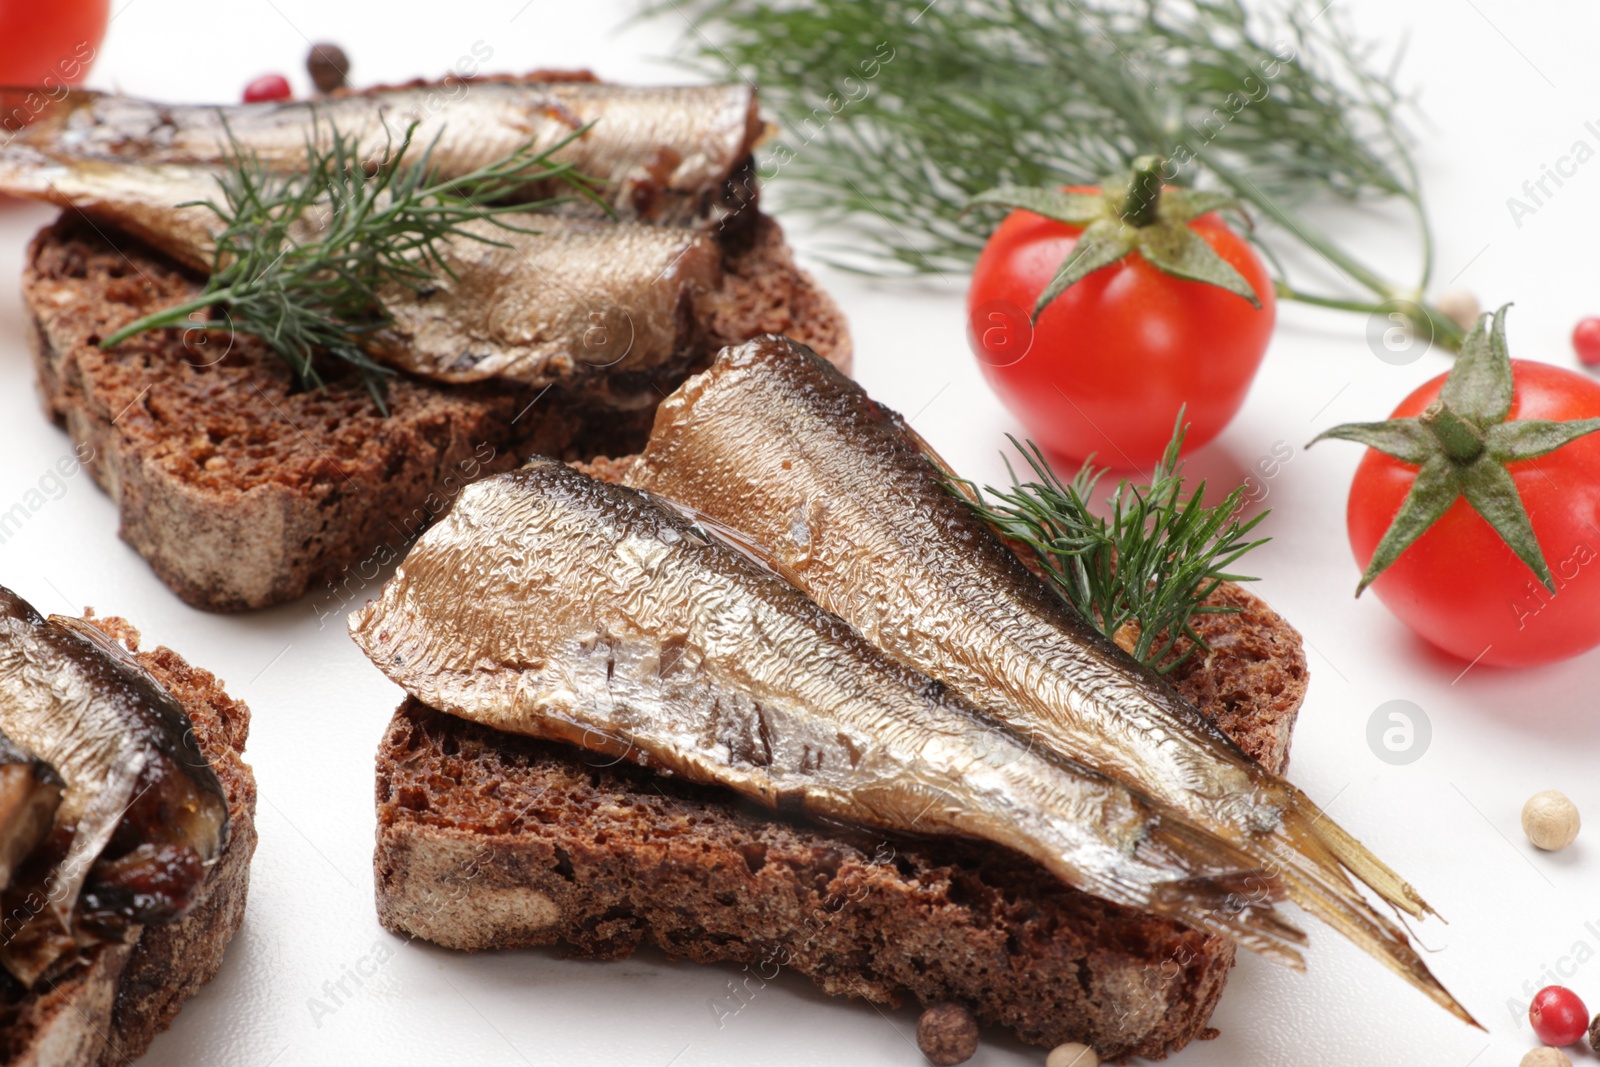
(1461, 446)
(1134, 215)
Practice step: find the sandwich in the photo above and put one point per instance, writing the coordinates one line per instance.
(126, 831)
(783, 603)
(488, 841)
(630, 248)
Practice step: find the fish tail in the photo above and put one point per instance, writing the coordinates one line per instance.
(1211, 906)
(1230, 895)
(1352, 855)
(1315, 876)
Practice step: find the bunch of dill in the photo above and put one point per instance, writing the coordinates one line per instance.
(301, 256)
(895, 113)
(1147, 567)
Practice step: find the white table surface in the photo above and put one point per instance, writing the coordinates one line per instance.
(1507, 87)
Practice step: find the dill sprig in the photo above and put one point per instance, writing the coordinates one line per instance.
(896, 113)
(1151, 563)
(301, 257)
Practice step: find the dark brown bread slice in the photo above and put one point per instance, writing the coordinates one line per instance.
(243, 492)
(487, 841)
(107, 1010)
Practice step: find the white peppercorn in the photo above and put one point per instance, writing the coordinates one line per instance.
(1072, 1054)
(1546, 1057)
(1459, 306)
(1550, 820)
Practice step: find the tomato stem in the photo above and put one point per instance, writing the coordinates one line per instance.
(1142, 206)
(1462, 441)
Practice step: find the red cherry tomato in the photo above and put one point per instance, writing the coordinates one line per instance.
(1112, 359)
(45, 47)
(1459, 585)
(1586, 341)
(267, 87)
(1558, 1016)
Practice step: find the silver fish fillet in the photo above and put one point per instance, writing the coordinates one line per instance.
(30, 791)
(840, 495)
(574, 301)
(141, 813)
(550, 604)
(140, 201)
(670, 155)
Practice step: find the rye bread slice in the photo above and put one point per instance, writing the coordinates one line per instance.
(243, 491)
(108, 1009)
(490, 841)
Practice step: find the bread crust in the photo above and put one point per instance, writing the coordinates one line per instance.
(107, 1010)
(489, 841)
(243, 491)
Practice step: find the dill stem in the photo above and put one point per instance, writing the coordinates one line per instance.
(171, 316)
(1357, 271)
(1288, 292)
(1442, 331)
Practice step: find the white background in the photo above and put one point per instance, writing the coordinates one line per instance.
(1506, 87)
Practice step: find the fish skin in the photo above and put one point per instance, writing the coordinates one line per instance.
(555, 300)
(839, 495)
(825, 479)
(547, 603)
(78, 702)
(141, 201)
(30, 792)
(575, 303)
(669, 153)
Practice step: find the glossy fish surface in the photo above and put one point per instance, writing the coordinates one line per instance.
(142, 201)
(669, 155)
(550, 604)
(840, 496)
(577, 302)
(30, 791)
(141, 812)
(553, 298)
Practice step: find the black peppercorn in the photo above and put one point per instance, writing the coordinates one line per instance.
(328, 66)
(947, 1034)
